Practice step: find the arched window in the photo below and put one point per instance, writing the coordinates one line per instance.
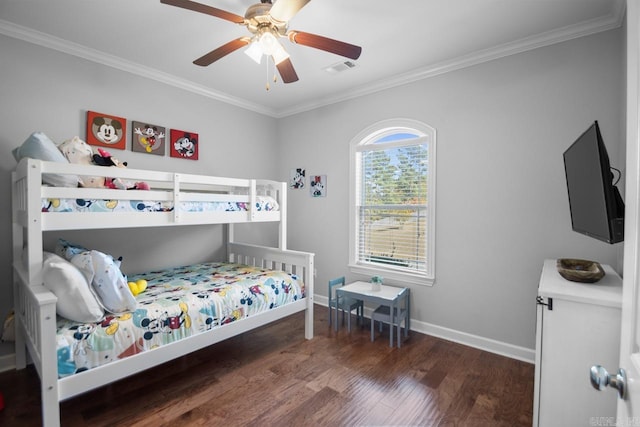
(393, 201)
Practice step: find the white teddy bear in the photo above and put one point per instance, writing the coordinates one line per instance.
(79, 152)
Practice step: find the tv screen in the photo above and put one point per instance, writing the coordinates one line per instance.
(597, 209)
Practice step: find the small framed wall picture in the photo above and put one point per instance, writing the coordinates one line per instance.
(106, 130)
(296, 178)
(184, 145)
(147, 138)
(318, 185)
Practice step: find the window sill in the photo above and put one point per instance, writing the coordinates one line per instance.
(392, 275)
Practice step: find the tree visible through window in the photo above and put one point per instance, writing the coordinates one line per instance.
(393, 201)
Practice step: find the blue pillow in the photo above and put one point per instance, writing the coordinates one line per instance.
(39, 146)
(68, 250)
(107, 281)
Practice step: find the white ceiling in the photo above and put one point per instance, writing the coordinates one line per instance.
(402, 41)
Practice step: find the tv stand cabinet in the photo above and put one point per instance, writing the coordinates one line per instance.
(578, 325)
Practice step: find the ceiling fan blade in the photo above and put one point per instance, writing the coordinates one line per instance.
(208, 10)
(287, 72)
(284, 10)
(326, 44)
(222, 51)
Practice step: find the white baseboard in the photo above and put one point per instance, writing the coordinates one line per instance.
(498, 347)
(7, 362)
(487, 344)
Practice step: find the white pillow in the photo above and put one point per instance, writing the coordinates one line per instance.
(107, 282)
(75, 300)
(39, 146)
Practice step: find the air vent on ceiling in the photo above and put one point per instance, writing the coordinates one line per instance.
(340, 66)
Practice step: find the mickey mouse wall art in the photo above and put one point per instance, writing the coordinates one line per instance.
(106, 130)
(184, 145)
(147, 138)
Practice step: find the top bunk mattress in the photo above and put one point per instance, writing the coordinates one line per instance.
(171, 198)
(262, 204)
(178, 303)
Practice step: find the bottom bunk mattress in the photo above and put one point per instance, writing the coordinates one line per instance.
(178, 303)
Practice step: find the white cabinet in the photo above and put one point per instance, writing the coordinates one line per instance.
(578, 325)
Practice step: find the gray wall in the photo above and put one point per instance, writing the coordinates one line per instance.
(44, 90)
(502, 206)
(501, 200)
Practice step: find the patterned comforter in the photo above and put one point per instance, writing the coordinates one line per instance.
(177, 303)
(263, 203)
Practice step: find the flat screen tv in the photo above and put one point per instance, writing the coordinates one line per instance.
(597, 209)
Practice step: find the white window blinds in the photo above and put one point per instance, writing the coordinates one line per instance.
(392, 202)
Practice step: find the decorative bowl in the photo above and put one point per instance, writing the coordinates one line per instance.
(580, 270)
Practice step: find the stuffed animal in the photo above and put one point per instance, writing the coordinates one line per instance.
(79, 152)
(137, 287)
(141, 185)
(104, 158)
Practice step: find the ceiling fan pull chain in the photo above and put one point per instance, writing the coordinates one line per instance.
(267, 85)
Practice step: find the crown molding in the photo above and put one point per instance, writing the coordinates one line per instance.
(32, 36)
(614, 20)
(586, 28)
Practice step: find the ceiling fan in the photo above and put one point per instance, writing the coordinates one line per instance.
(267, 22)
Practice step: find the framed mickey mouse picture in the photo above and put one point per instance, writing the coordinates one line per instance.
(147, 138)
(106, 130)
(184, 145)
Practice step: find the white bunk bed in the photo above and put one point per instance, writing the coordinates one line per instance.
(35, 306)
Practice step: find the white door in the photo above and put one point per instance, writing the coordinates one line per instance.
(629, 407)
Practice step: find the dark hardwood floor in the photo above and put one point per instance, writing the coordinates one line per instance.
(273, 376)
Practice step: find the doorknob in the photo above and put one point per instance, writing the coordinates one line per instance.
(600, 379)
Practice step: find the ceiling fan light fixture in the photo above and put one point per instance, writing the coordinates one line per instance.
(254, 51)
(268, 43)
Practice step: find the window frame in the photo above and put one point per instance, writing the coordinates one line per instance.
(426, 134)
